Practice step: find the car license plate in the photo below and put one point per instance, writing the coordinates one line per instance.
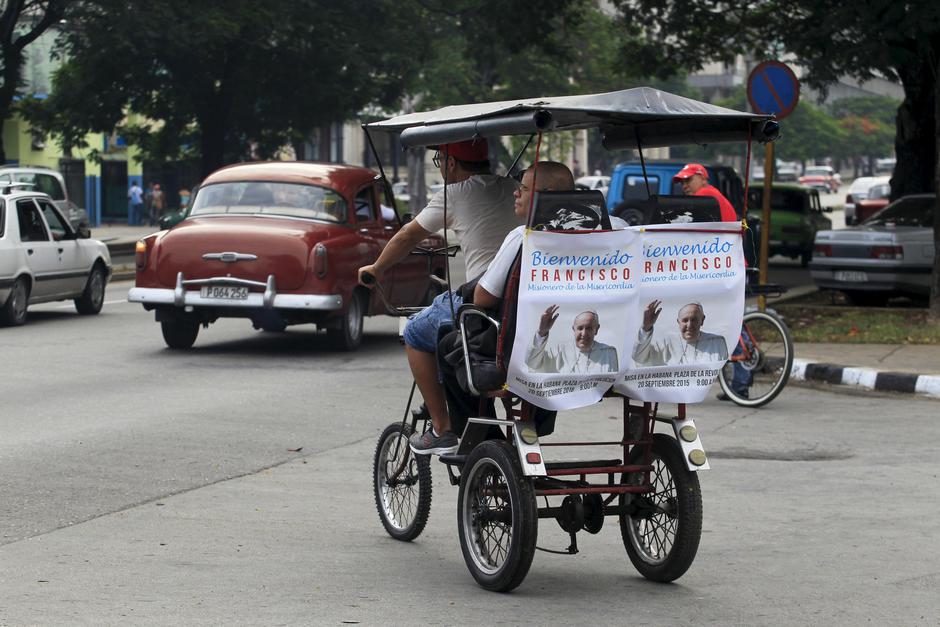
(851, 277)
(225, 292)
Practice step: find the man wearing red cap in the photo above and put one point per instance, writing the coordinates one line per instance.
(480, 212)
(694, 179)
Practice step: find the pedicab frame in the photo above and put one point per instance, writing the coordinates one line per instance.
(658, 498)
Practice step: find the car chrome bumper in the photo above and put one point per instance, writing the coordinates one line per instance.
(269, 299)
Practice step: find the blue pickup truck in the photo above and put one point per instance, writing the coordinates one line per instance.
(627, 192)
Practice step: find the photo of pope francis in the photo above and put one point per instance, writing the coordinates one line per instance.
(581, 355)
(690, 345)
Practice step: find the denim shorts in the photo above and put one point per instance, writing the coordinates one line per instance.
(421, 331)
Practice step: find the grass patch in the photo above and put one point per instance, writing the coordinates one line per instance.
(858, 325)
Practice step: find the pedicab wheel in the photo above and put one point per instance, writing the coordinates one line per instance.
(768, 360)
(662, 533)
(402, 482)
(497, 519)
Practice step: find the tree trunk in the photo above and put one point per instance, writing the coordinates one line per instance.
(212, 145)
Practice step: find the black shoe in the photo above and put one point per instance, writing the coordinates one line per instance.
(724, 397)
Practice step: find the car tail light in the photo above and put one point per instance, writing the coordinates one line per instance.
(140, 254)
(822, 250)
(886, 252)
(319, 260)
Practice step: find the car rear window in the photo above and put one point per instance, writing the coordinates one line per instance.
(905, 212)
(780, 200)
(270, 198)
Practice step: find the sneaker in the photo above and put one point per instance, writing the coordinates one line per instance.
(428, 444)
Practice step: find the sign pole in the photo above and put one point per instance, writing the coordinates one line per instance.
(765, 220)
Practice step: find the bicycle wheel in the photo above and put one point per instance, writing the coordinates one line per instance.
(767, 358)
(497, 519)
(402, 484)
(662, 532)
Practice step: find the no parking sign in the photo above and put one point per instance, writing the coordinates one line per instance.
(773, 88)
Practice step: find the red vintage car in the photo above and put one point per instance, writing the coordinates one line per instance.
(279, 243)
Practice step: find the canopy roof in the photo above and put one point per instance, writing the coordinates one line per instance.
(650, 116)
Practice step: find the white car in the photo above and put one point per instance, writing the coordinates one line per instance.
(600, 183)
(43, 258)
(858, 190)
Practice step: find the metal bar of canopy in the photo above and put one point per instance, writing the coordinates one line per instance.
(667, 133)
(526, 123)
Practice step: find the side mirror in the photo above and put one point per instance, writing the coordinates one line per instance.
(83, 232)
(406, 218)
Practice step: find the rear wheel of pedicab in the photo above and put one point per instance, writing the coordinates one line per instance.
(662, 533)
(497, 519)
(402, 483)
(766, 364)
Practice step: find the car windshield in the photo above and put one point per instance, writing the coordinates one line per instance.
(816, 172)
(270, 198)
(780, 200)
(905, 212)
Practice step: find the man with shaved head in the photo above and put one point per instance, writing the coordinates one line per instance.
(690, 345)
(584, 355)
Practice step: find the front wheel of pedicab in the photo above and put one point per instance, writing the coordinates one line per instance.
(497, 519)
(402, 484)
(662, 531)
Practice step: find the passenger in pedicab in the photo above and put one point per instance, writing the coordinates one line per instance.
(541, 177)
(479, 210)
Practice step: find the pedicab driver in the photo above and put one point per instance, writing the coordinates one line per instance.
(480, 211)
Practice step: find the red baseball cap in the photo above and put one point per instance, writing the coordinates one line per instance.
(690, 170)
(472, 150)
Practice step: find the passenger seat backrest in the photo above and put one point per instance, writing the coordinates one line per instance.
(670, 209)
(578, 210)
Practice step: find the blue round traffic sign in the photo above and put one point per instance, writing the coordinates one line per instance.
(772, 88)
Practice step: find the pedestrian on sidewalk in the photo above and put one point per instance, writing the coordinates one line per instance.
(157, 204)
(135, 197)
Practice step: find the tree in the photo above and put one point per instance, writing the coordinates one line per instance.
(234, 79)
(868, 125)
(898, 40)
(21, 23)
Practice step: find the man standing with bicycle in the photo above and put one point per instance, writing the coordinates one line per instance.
(694, 180)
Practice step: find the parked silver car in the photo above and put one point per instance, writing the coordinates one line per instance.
(889, 254)
(42, 258)
(50, 182)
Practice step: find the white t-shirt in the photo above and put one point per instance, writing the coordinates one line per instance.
(494, 279)
(479, 211)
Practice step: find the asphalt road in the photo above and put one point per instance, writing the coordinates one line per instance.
(231, 484)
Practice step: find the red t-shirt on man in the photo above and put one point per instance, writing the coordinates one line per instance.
(728, 214)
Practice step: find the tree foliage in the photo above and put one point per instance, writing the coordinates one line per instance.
(233, 78)
(898, 40)
(21, 23)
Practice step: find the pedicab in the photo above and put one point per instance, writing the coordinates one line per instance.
(506, 484)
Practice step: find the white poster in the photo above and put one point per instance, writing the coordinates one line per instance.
(690, 305)
(652, 311)
(573, 334)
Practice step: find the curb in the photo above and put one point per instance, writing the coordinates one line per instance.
(867, 378)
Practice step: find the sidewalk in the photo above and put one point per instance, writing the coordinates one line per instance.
(913, 369)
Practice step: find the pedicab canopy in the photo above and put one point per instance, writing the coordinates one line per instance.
(630, 118)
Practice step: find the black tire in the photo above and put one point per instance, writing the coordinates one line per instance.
(663, 533)
(769, 360)
(868, 299)
(13, 312)
(348, 336)
(630, 215)
(404, 504)
(92, 299)
(497, 519)
(805, 257)
(179, 334)
(435, 289)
